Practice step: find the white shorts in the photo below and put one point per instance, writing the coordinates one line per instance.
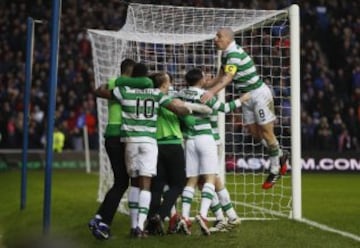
(260, 107)
(201, 156)
(141, 159)
(220, 153)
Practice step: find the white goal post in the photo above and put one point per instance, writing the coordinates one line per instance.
(175, 39)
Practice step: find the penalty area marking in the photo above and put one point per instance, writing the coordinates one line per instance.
(330, 229)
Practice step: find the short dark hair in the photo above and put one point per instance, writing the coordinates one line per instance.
(127, 66)
(140, 70)
(158, 78)
(193, 76)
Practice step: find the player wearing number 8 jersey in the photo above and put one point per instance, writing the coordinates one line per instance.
(258, 113)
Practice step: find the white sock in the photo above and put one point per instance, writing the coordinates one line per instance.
(274, 154)
(226, 204)
(274, 165)
(133, 203)
(264, 143)
(186, 200)
(216, 208)
(207, 195)
(144, 204)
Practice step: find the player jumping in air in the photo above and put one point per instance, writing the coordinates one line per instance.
(238, 67)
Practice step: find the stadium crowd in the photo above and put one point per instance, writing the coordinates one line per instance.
(330, 69)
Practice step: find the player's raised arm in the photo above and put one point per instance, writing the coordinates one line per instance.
(136, 82)
(216, 104)
(211, 82)
(178, 107)
(196, 81)
(162, 81)
(221, 83)
(224, 38)
(198, 108)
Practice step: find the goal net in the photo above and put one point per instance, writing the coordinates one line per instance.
(176, 39)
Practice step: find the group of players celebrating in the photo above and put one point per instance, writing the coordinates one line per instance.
(158, 139)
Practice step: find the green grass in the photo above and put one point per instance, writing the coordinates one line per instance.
(331, 199)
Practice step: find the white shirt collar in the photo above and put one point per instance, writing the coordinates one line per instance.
(231, 45)
(195, 88)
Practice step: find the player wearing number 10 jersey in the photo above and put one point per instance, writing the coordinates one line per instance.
(138, 130)
(115, 149)
(139, 119)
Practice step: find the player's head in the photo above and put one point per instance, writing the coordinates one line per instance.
(195, 77)
(127, 66)
(162, 81)
(140, 70)
(223, 38)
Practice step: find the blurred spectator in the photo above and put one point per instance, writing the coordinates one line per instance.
(58, 140)
(344, 140)
(308, 129)
(324, 136)
(352, 124)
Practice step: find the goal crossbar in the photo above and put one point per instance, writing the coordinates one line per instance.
(147, 18)
(152, 31)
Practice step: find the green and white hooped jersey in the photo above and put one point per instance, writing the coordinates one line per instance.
(203, 122)
(214, 116)
(237, 62)
(140, 112)
(214, 125)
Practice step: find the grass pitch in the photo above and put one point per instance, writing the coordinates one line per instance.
(330, 199)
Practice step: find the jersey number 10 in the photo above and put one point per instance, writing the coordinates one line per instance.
(147, 107)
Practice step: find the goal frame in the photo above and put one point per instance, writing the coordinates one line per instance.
(294, 23)
(294, 16)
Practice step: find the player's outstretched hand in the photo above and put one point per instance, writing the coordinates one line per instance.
(199, 108)
(206, 96)
(245, 97)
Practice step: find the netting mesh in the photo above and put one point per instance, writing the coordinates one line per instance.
(144, 18)
(175, 39)
(269, 46)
